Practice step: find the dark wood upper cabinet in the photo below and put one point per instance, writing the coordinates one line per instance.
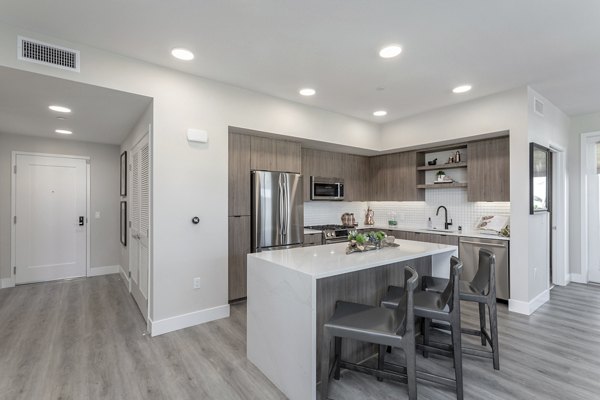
(263, 154)
(394, 177)
(239, 174)
(489, 170)
(274, 155)
(355, 171)
(289, 156)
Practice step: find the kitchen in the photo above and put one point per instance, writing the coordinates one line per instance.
(298, 196)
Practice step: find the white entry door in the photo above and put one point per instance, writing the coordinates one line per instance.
(50, 218)
(139, 257)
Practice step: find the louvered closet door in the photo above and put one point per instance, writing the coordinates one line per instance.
(140, 224)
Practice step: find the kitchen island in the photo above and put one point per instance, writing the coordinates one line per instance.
(291, 293)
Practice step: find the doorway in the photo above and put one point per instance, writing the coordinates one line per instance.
(559, 265)
(590, 207)
(49, 217)
(139, 236)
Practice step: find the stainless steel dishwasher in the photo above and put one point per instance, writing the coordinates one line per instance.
(468, 251)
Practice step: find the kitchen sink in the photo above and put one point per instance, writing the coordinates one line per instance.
(441, 230)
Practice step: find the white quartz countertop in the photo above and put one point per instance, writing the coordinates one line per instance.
(464, 233)
(329, 260)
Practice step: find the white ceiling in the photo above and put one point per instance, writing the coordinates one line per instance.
(98, 115)
(278, 46)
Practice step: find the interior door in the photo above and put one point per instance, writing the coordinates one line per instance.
(139, 265)
(593, 202)
(50, 218)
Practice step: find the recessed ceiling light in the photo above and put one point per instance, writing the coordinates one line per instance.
(380, 113)
(307, 92)
(461, 89)
(390, 51)
(182, 54)
(63, 132)
(60, 109)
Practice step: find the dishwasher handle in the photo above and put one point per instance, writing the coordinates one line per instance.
(503, 246)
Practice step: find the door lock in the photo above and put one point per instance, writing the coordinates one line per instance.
(81, 221)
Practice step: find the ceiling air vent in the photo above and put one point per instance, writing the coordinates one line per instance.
(48, 54)
(538, 106)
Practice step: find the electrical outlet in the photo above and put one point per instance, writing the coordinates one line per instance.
(196, 283)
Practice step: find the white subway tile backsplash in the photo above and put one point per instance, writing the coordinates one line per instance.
(409, 213)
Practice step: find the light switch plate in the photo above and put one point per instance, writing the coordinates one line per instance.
(97, 214)
(196, 283)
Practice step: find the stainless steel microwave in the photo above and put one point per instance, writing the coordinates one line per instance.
(326, 188)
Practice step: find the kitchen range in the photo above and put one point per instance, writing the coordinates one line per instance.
(333, 233)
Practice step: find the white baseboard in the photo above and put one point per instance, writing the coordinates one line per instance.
(528, 308)
(126, 278)
(7, 283)
(167, 325)
(578, 278)
(109, 269)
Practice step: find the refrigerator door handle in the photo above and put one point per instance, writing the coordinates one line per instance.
(286, 205)
(281, 205)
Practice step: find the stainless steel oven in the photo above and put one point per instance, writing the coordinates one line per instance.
(326, 188)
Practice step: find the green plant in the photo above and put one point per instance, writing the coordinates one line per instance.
(440, 173)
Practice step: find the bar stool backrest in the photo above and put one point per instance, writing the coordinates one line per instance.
(451, 290)
(405, 310)
(485, 278)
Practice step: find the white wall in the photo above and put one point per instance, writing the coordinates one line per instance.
(190, 179)
(499, 112)
(579, 124)
(104, 187)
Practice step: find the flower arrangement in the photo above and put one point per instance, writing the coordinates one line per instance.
(366, 241)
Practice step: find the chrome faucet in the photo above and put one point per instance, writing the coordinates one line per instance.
(446, 223)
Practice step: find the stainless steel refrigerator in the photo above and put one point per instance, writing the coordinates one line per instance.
(277, 210)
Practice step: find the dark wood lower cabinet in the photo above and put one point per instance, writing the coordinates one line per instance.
(313, 239)
(239, 247)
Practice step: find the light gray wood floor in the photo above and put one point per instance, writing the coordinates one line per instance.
(84, 339)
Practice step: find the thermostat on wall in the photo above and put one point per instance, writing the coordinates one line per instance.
(197, 135)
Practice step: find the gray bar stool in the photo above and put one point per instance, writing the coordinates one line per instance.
(393, 327)
(481, 290)
(439, 306)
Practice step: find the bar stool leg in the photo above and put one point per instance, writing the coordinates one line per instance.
(457, 349)
(411, 369)
(338, 357)
(494, 333)
(425, 327)
(381, 360)
(325, 364)
(482, 323)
